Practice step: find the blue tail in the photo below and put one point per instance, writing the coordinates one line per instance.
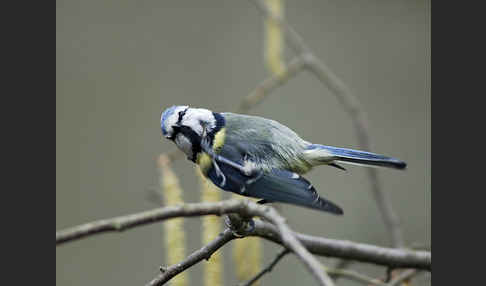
(331, 154)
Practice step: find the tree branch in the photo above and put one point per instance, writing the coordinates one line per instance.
(246, 208)
(268, 85)
(407, 274)
(197, 256)
(290, 241)
(395, 258)
(342, 264)
(392, 257)
(129, 221)
(355, 276)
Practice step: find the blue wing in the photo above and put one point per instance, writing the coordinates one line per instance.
(273, 186)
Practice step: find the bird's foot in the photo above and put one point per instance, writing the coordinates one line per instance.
(239, 226)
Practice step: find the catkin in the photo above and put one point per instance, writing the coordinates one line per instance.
(274, 42)
(174, 235)
(211, 227)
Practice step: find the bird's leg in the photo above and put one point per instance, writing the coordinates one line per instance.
(240, 226)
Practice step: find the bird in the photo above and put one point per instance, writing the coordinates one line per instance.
(258, 157)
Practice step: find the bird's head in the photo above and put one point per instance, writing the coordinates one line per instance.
(185, 126)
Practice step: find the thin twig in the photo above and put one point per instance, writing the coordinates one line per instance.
(404, 275)
(389, 274)
(397, 258)
(355, 276)
(354, 109)
(267, 269)
(202, 254)
(340, 265)
(268, 85)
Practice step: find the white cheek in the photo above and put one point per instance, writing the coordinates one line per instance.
(184, 144)
(194, 124)
(171, 121)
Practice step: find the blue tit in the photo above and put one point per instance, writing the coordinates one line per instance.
(258, 157)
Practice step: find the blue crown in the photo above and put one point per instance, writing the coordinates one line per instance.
(168, 112)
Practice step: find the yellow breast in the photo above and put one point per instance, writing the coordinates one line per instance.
(203, 159)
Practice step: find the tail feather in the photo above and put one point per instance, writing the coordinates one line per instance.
(320, 154)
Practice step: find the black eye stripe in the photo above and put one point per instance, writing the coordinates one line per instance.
(175, 130)
(181, 115)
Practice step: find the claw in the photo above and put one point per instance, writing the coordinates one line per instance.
(246, 227)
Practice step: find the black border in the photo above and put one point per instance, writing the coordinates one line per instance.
(28, 118)
(457, 127)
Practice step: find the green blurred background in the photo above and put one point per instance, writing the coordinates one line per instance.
(119, 63)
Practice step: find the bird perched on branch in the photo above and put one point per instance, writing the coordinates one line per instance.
(258, 157)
